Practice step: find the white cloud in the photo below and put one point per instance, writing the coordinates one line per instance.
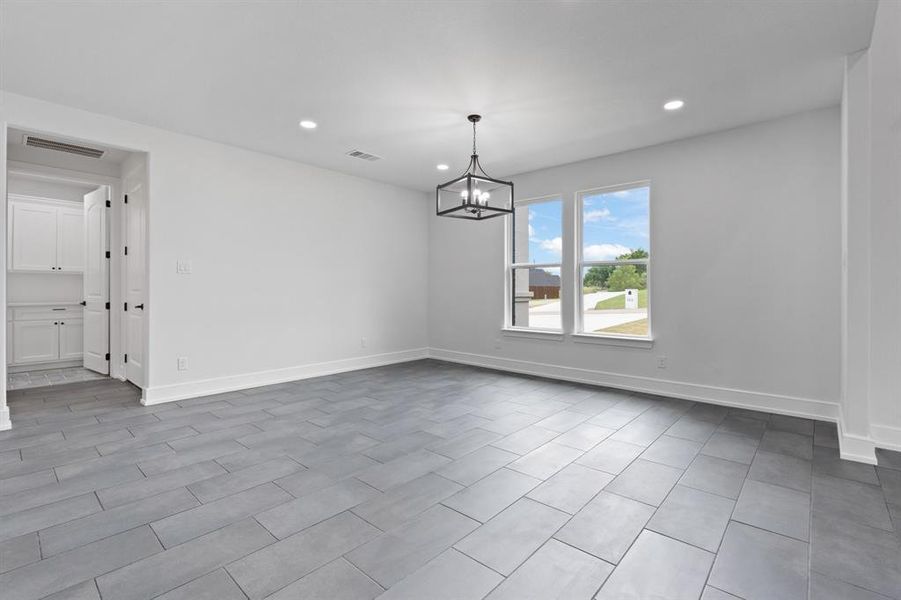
(531, 232)
(598, 214)
(604, 251)
(554, 245)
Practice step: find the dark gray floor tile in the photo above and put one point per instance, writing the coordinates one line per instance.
(672, 451)
(827, 588)
(825, 434)
(691, 428)
(860, 555)
(193, 456)
(850, 500)
(395, 554)
(27, 481)
(226, 484)
(217, 585)
(791, 424)
(584, 436)
(545, 460)
(315, 507)
(784, 442)
(524, 441)
(607, 526)
(645, 481)
(476, 465)
(572, 488)
(613, 418)
(489, 496)
(781, 469)
(403, 469)
(890, 480)
(743, 425)
(640, 432)
(73, 534)
(400, 504)
(338, 580)
(19, 551)
(508, 539)
(658, 567)
(556, 570)
(272, 568)
(131, 491)
(727, 446)
(463, 444)
(826, 461)
(172, 568)
(86, 590)
(75, 566)
(715, 475)
(753, 563)
(611, 456)
(563, 421)
(888, 459)
(401, 446)
(102, 463)
(774, 508)
(450, 576)
(189, 524)
(48, 515)
(693, 516)
(711, 593)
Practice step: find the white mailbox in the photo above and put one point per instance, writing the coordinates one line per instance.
(631, 298)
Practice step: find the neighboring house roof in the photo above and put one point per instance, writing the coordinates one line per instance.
(540, 277)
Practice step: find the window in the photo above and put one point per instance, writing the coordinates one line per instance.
(613, 257)
(535, 269)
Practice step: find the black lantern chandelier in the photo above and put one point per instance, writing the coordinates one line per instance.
(474, 194)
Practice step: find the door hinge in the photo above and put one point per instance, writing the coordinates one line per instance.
(107, 356)
(126, 358)
(107, 306)
(126, 198)
(107, 254)
(126, 250)
(108, 204)
(126, 306)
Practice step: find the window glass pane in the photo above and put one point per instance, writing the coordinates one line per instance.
(615, 300)
(536, 298)
(539, 232)
(615, 224)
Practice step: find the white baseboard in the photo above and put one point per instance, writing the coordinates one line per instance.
(886, 437)
(218, 385)
(785, 405)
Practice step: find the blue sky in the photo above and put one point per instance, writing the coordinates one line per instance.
(613, 223)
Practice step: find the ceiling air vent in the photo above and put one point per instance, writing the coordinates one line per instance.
(37, 142)
(363, 155)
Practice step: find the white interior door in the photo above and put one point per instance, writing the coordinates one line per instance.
(96, 282)
(135, 277)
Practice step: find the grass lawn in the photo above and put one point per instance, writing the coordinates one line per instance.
(620, 301)
(639, 327)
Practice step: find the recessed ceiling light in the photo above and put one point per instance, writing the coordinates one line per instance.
(674, 105)
(442, 167)
(308, 124)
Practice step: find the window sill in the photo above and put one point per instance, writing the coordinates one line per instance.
(609, 340)
(535, 334)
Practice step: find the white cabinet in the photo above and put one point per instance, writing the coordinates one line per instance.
(35, 342)
(45, 235)
(71, 339)
(44, 334)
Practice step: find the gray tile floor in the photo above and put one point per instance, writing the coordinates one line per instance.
(22, 380)
(427, 481)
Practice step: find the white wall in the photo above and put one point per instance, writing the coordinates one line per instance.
(745, 283)
(871, 400)
(292, 265)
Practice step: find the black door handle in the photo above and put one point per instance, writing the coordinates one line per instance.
(83, 303)
(141, 306)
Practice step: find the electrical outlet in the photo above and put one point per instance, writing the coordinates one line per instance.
(183, 267)
(661, 362)
(182, 363)
(363, 342)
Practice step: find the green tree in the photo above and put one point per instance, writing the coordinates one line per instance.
(634, 254)
(597, 275)
(627, 276)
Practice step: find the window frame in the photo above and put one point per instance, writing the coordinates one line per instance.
(580, 264)
(510, 245)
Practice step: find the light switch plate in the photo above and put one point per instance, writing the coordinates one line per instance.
(183, 267)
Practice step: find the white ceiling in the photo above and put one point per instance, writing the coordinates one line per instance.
(556, 81)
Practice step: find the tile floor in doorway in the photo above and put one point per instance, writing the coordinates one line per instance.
(44, 377)
(427, 481)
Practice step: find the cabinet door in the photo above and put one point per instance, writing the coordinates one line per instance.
(70, 240)
(33, 237)
(71, 339)
(35, 341)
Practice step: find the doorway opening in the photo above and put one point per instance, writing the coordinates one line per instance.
(76, 270)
